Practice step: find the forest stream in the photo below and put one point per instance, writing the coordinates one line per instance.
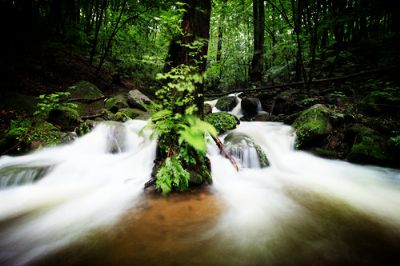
(84, 204)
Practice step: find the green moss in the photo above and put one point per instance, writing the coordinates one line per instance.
(369, 146)
(242, 141)
(84, 90)
(126, 114)
(226, 103)
(222, 121)
(311, 123)
(261, 156)
(115, 103)
(45, 133)
(65, 118)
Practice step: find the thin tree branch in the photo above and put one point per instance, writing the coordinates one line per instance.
(299, 83)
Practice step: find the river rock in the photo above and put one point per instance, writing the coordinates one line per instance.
(85, 91)
(226, 103)
(115, 103)
(245, 150)
(250, 106)
(88, 98)
(222, 121)
(285, 105)
(312, 125)
(126, 114)
(137, 99)
(370, 147)
(67, 119)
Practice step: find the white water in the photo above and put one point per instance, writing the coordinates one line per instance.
(236, 111)
(93, 181)
(87, 188)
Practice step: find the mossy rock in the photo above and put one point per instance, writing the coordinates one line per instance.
(226, 103)
(44, 134)
(222, 121)
(126, 114)
(92, 108)
(312, 124)
(239, 145)
(138, 100)
(115, 103)
(369, 147)
(381, 102)
(67, 119)
(85, 91)
(88, 98)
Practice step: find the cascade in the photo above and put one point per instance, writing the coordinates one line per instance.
(56, 197)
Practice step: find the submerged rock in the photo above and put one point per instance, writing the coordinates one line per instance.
(245, 150)
(222, 121)
(226, 103)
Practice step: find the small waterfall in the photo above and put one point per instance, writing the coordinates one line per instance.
(11, 176)
(57, 196)
(88, 188)
(245, 150)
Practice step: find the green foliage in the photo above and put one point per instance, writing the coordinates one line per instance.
(172, 174)
(19, 127)
(193, 134)
(396, 141)
(180, 132)
(48, 102)
(45, 133)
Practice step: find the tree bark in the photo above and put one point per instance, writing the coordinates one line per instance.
(257, 63)
(195, 26)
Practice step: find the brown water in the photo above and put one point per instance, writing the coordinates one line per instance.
(175, 230)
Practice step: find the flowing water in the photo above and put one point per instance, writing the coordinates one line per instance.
(84, 204)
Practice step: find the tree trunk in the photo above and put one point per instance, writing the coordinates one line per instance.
(257, 63)
(195, 26)
(297, 13)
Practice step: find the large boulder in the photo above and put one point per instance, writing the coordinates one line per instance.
(312, 125)
(85, 91)
(370, 147)
(222, 121)
(226, 103)
(66, 119)
(245, 150)
(88, 98)
(138, 100)
(250, 106)
(115, 103)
